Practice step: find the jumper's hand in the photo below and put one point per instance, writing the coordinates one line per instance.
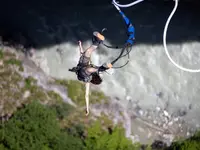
(87, 112)
(79, 43)
(80, 47)
(87, 91)
(109, 65)
(105, 67)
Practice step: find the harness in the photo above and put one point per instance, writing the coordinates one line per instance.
(81, 74)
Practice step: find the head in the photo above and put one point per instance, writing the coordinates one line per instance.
(96, 79)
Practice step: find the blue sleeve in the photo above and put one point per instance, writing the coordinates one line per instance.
(127, 21)
(131, 29)
(131, 33)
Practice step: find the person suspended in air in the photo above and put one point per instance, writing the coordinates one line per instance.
(87, 72)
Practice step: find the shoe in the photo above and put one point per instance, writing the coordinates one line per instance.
(97, 38)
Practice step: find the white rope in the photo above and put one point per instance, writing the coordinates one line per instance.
(164, 33)
(127, 5)
(165, 45)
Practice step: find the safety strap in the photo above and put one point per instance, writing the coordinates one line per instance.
(129, 42)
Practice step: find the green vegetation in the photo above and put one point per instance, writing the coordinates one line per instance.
(30, 82)
(76, 91)
(10, 59)
(62, 110)
(13, 61)
(192, 143)
(109, 139)
(36, 127)
(1, 54)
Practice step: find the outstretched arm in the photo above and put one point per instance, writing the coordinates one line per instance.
(101, 68)
(87, 92)
(80, 47)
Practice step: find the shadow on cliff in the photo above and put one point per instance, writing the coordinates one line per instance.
(43, 23)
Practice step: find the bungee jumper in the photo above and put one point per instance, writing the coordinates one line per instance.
(86, 71)
(89, 73)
